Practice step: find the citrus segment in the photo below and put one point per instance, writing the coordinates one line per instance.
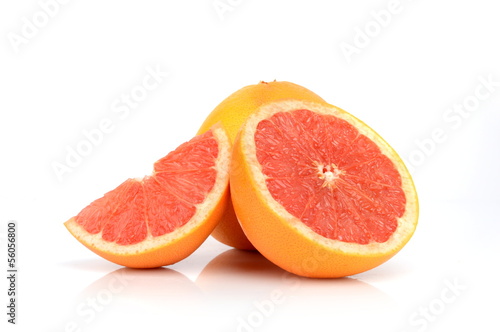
(190, 186)
(199, 153)
(163, 206)
(318, 192)
(165, 216)
(97, 214)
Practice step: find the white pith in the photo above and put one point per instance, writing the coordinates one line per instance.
(203, 210)
(406, 224)
(332, 173)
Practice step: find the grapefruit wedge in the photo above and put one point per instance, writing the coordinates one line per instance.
(164, 217)
(231, 113)
(318, 192)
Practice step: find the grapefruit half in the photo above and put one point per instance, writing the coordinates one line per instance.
(318, 192)
(164, 217)
(231, 113)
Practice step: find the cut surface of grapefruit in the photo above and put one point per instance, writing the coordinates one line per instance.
(231, 113)
(318, 192)
(162, 218)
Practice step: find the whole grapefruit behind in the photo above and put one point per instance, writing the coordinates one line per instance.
(231, 113)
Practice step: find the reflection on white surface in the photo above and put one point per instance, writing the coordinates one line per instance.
(130, 297)
(236, 291)
(443, 280)
(250, 293)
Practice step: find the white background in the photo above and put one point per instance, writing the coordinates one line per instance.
(404, 80)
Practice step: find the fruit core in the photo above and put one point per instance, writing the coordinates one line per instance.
(329, 174)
